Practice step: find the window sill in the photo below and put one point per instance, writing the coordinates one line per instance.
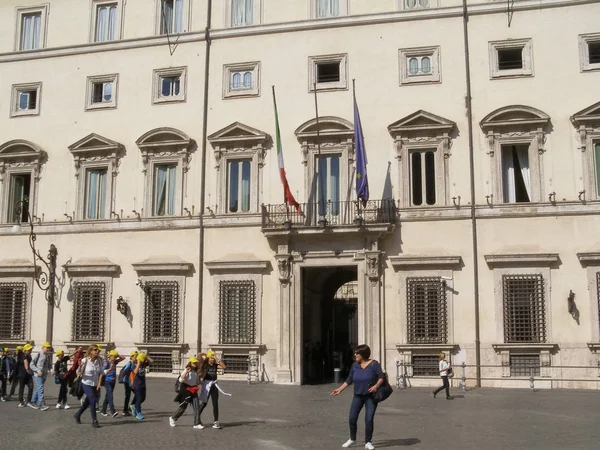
(594, 346)
(524, 347)
(157, 345)
(101, 106)
(34, 112)
(104, 345)
(167, 100)
(242, 348)
(509, 75)
(447, 348)
(242, 93)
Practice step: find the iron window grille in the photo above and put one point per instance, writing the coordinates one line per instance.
(425, 366)
(89, 311)
(161, 362)
(237, 364)
(427, 310)
(161, 312)
(524, 311)
(237, 312)
(524, 365)
(13, 309)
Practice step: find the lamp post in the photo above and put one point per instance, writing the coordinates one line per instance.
(44, 274)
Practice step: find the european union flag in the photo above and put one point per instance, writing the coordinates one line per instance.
(362, 182)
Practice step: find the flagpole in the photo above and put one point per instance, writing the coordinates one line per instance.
(354, 106)
(322, 220)
(287, 208)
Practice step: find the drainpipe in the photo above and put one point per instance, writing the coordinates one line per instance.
(469, 105)
(203, 172)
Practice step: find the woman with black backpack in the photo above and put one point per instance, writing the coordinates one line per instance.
(187, 392)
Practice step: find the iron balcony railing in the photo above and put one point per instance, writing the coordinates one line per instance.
(329, 214)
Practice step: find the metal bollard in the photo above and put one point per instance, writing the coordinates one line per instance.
(400, 379)
(337, 375)
(463, 378)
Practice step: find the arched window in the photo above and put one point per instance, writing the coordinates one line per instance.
(247, 80)
(236, 80)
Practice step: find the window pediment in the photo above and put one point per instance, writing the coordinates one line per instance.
(587, 122)
(240, 139)
(421, 122)
(328, 127)
(165, 142)
(163, 264)
(20, 152)
(93, 148)
(97, 266)
(515, 116)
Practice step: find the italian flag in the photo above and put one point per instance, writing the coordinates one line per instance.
(288, 197)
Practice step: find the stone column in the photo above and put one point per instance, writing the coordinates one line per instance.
(285, 315)
(373, 330)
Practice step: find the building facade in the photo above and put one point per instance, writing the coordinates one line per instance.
(139, 138)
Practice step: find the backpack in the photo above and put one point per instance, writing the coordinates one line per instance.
(124, 372)
(177, 385)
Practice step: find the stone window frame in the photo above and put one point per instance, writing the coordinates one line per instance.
(257, 14)
(95, 152)
(187, 16)
(229, 69)
(19, 271)
(404, 54)
(14, 101)
(20, 157)
(94, 4)
(590, 261)
(342, 85)
(419, 131)
(165, 146)
(523, 264)
(587, 124)
(238, 141)
(158, 74)
(336, 137)
(584, 52)
(514, 125)
(526, 71)
(402, 6)
(44, 10)
(344, 8)
(89, 92)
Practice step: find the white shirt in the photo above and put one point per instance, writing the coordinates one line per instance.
(92, 371)
(444, 368)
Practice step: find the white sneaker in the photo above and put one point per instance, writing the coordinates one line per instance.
(369, 446)
(171, 422)
(59, 406)
(198, 427)
(65, 406)
(348, 443)
(216, 425)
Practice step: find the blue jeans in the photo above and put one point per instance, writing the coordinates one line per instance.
(109, 386)
(370, 407)
(91, 398)
(38, 390)
(139, 396)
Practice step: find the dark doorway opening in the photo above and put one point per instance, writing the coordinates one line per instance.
(329, 322)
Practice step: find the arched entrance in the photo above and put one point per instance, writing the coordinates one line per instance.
(329, 321)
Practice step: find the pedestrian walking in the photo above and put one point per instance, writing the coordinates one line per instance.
(90, 371)
(110, 377)
(76, 359)
(41, 367)
(138, 383)
(210, 389)
(188, 393)
(444, 368)
(61, 370)
(7, 368)
(124, 378)
(367, 377)
(24, 374)
(15, 380)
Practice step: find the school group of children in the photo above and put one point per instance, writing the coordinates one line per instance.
(84, 375)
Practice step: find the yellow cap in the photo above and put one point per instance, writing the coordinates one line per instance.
(19, 347)
(141, 357)
(113, 353)
(133, 353)
(5, 349)
(98, 345)
(60, 352)
(47, 345)
(210, 354)
(193, 359)
(27, 347)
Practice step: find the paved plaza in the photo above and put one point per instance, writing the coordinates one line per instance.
(271, 416)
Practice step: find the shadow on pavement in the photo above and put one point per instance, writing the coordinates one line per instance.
(396, 442)
(240, 424)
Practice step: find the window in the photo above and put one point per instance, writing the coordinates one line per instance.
(417, 4)
(161, 312)
(238, 186)
(161, 362)
(524, 365)
(241, 80)
(101, 92)
(89, 311)
(425, 366)
(328, 72)
(422, 177)
(511, 58)
(18, 204)
(30, 30)
(95, 193)
(171, 20)
(237, 312)
(13, 308)
(516, 178)
(328, 8)
(236, 364)
(165, 190)
(242, 13)
(328, 185)
(524, 309)
(420, 65)
(589, 52)
(105, 23)
(26, 99)
(427, 310)
(169, 85)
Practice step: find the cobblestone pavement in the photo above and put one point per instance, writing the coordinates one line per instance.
(291, 417)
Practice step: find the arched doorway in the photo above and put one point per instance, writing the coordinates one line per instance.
(329, 321)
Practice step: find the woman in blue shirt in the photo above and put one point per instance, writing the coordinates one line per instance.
(367, 377)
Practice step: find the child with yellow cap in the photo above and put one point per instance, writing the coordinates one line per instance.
(24, 374)
(124, 378)
(7, 367)
(15, 381)
(110, 378)
(189, 381)
(138, 383)
(61, 369)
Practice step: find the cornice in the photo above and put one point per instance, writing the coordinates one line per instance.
(521, 259)
(16, 267)
(98, 266)
(589, 258)
(237, 262)
(440, 261)
(163, 264)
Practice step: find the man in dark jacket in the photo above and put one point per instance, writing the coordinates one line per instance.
(7, 368)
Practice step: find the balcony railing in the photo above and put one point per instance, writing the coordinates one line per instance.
(329, 214)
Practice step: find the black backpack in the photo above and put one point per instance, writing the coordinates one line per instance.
(124, 372)
(384, 391)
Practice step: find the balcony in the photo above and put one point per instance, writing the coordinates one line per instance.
(347, 216)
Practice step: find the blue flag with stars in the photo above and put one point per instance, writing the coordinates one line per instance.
(362, 182)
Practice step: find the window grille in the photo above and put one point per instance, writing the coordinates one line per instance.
(524, 311)
(427, 310)
(13, 308)
(237, 312)
(89, 311)
(161, 311)
(161, 362)
(236, 364)
(425, 366)
(524, 365)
